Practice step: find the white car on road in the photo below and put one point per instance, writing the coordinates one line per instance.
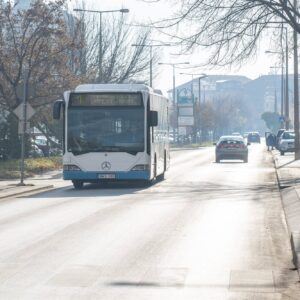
(286, 142)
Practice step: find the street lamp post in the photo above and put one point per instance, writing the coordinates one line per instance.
(275, 92)
(100, 12)
(201, 76)
(174, 86)
(283, 111)
(286, 89)
(296, 91)
(151, 56)
(287, 102)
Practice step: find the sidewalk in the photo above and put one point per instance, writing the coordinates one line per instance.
(41, 182)
(288, 174)
(288, 170)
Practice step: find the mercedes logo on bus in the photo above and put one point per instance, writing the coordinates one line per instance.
(106, 166)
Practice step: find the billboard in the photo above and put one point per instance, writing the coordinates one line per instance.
(185, 121)
(186, 111)
(185, 98)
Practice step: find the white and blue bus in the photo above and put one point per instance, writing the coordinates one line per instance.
(114, 132)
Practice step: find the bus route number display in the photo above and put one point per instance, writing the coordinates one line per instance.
(116, 99)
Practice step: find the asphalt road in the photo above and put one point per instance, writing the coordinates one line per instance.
(209, 231)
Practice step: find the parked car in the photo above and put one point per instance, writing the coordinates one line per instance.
(253, 137)
(286, 142)
(35, 151)
(245, 135)
(278, 135)
(43, 145)
(231, 147)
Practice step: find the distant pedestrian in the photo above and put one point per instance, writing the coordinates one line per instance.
(271, 140)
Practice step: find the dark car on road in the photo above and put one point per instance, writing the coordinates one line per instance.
(253, 137)
(231, 147)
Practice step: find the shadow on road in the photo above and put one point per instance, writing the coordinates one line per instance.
(165, 189)
(230, 162)
(98, 190)
(145, 284)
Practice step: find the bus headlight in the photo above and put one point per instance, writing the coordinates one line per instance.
(140, 168)
(71, 168)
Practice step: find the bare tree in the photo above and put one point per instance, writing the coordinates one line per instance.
(230, 29)
(36, 39)
(120, 61)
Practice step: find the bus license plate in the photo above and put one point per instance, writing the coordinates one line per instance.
(107, 176)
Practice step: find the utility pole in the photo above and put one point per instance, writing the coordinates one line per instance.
(275, 102)
(100, 48)
(24, 126)
(151, 56)
(175, 104)
(282, 104)
(284, 83)
(175, 107)
(296, 90)
(201, 76)
(282, 91)
(287, 102)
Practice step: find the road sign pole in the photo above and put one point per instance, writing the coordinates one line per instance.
(23, 134)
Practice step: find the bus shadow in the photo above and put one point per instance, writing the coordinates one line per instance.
(118, 185)
(97, 190)
(231, 162)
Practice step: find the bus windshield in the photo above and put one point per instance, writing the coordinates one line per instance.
(105, 129)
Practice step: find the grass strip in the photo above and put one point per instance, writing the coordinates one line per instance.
(11, 169)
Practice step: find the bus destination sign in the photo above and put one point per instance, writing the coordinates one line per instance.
(105, 99)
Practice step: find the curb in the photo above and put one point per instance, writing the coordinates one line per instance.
(34, 190)
(290, 201)
(291, 206)
(281, 186)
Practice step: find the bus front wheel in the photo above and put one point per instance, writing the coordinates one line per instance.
(77, 184)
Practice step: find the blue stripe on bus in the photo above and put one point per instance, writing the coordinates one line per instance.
(81, 175)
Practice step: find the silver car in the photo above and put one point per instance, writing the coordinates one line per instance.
(286, 142)
(231, 147)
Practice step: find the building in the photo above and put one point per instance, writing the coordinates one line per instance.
(212, 86)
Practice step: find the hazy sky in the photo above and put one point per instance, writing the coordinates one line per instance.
(142, 11)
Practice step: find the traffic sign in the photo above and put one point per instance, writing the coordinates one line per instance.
(21, 127)
(186, 111)
(185, 98)
(30, 90)
(29, 111)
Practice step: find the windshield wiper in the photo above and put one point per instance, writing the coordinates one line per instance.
(79, 152)
(106, 149)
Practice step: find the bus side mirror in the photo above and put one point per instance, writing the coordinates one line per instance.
(153, 118)
(57, 108)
